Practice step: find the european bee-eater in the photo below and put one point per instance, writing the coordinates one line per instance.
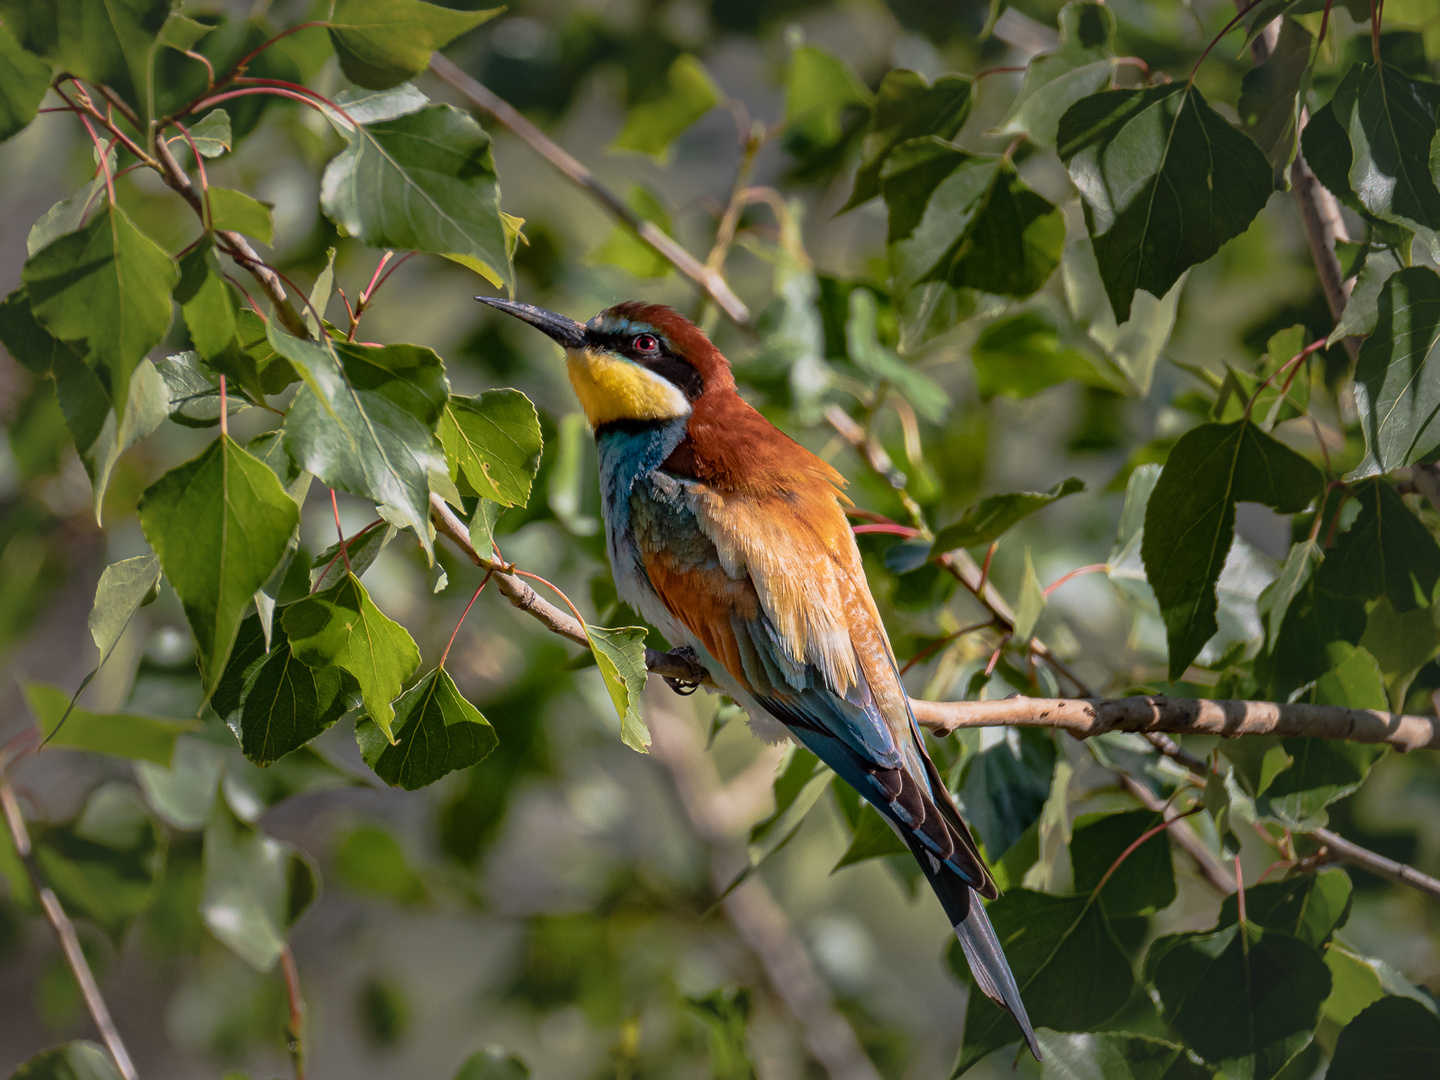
(732, 538)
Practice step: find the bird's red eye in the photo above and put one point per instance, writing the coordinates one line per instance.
(646, 343)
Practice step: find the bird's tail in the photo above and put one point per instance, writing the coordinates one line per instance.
(977, 938)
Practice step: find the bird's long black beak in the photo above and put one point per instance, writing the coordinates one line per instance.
(567, 332)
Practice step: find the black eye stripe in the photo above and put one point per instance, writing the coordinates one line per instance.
(663, 362)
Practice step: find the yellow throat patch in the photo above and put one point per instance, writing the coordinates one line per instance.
(611, 388)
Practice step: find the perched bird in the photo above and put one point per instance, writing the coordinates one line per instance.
(731, 538)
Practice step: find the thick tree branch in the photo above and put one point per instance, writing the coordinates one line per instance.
(65, 931)
(1084, 717)
(708, 278)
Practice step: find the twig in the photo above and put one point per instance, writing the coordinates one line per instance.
(1342, 850)
(761, 923)
(295, 1026)
(65, 931)
(711, 281)
(1087, 717)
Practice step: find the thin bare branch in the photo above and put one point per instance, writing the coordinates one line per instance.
(1084, 717)
(759, 921)
(710, 280)
(65, 931)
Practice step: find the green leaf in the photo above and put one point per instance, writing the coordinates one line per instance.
(1047, 938)
(1401, 646)
(1081, 65)
(981, 229)
(482, 525)
(184, 794)
(620, 656)
(1165, 182)
(1116, 1056)
(1030, 604)
(1390, 119)
(1005, 785)
(220, 524)
(24, 78)
(436, 731)
(874, 838)
(492, 1063)
(253, 888)
(78, 1060)
(910, 175)
(1323, 771)
(726, 1014)
(818, 87)
(1393, 1038)
(1134, 346)
(206, 302)
(799, 782)
(1388, 551)
(107, 285)
(1362, 310)
(365, 422)
(1190, 520)
(381, 43)
(274, 702)
(622, 248)
(863, 346)
(342, 627)
(1019, 355)
(327, 568)
(67, 215)
(1326, 146)
(1273, 95)
(370, 860)
(994, 515)
(111, 43)
(493, 444)
(654, 124)
(212, 135)
(1354, 680)
(1299, 566)
(238, 212)
(194, 393)
(106, 864)
(908, 107)
(1397, 378)
(1144, 882)
(423, 181)
(122, 735)
(1310, 907)
(123, 589)
(1240, 992)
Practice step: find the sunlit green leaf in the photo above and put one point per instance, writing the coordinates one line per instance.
(381, 43)
(620, 656)
(1362, 309)
(1272, 96)
(1116, 1056)
(818, 86)
(622, 248)
(1082, 65)
(492, 1063)
(1165, 182)
(254, 887)
(863, 346)
(436, 731)
(124, 586)
(122, 735)
(212, 135)
(107, 285)
(1019, 355)
(343, 627)
(994, 515)
(1397, 378)
(422, 181)
(220, 524)
(907, 106)
(493, 444)
(327, 568)
(654, 124)
(206, 302)
(237, 212)
(365, 422)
